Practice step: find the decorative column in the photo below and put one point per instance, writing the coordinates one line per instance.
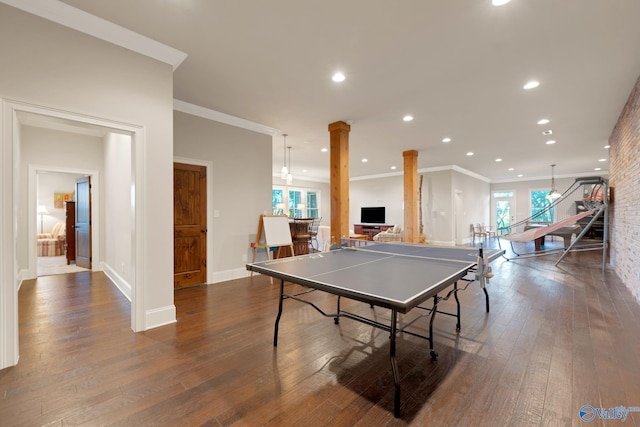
(411, 232)
(339, 180)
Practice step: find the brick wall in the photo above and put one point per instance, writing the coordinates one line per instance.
(624, 180)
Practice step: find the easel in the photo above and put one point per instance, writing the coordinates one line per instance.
(273, 231)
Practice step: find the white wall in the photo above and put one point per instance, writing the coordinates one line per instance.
(117, 257)
(241, 177)
(50, 183)
(49, 66)
(438, 188)
(385, 191)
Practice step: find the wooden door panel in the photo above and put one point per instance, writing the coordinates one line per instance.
(83, 222)
(190, 224)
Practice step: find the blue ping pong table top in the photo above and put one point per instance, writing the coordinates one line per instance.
(398, 276)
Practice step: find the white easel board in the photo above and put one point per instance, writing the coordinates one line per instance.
(276, 231)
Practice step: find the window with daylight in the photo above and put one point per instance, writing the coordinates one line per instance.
(296, 202)
(540, 211)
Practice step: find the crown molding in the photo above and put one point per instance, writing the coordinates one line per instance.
(216, 116)
(79, 20)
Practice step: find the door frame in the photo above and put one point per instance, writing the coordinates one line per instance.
(32, 270)
(210, 212)
(9, 191)
(494, 209)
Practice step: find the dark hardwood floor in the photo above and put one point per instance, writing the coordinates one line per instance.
(557, 338)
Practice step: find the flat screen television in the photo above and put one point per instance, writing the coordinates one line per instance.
(372, 215)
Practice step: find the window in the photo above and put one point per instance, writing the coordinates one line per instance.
(297, 202)
(312, 204)
(540, 211)
(277, 204)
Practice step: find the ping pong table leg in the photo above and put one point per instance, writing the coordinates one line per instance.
(275, 331)
(394, 365)
(432, 352)
(336, 319)
(455, 294)
(486, 298)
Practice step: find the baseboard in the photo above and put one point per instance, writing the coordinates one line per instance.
(223, 276)
(160, 316)
(119, 281)
(23, 275)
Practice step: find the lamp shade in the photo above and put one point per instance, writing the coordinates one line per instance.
(42, 210)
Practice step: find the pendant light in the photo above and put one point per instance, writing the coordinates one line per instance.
(553, 194)
(289, 176)
(285, 171)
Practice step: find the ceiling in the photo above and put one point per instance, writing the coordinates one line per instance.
(457, 66)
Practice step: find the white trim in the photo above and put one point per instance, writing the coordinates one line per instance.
(32, 269)
(161, 316)
(210, 227)
(223, 276)
(124, 286)
(9, 189)
(424, 170)
(603, 174)
(216, 116)
(69, 16)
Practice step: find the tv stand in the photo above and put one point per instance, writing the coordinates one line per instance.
(370, 230)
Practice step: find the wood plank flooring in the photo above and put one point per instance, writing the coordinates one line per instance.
(557, 338)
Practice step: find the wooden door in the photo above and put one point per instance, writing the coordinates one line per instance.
(83, 222)
(70, 227)
(189, 225)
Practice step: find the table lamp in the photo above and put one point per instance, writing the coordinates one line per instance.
(42, 211)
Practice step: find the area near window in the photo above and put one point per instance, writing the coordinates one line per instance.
(295, 202)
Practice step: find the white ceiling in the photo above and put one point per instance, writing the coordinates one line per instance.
(457, 66)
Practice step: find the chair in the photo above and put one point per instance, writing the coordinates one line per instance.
(490, 233)
(52, 244)
(477, 230)
(313, 233)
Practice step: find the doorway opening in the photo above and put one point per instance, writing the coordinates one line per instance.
(55, 241)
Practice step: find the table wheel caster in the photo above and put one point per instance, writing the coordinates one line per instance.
(433, 354)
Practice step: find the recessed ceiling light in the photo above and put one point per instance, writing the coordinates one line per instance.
(338, 77)
(597, 169)
(324, 150)
(393, 168)
(543, 121)
(407, 118)
(607, 146)
(550, 142)
(547, 132)
(602, 160)
(531, 84)
(499, 2)
(520, 175)
(470, 153)
(446, 140)
(365, 160)
(510, 169)
(498, 159)
(304, 170)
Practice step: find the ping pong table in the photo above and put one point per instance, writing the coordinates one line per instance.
(396, 276)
